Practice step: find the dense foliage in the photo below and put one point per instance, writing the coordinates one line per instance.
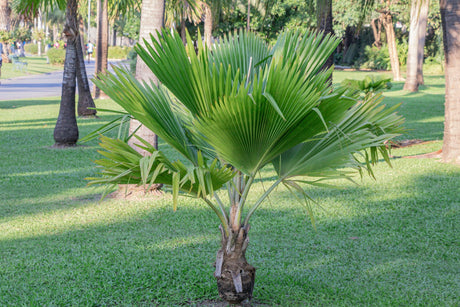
(118, 53)
(56, 56)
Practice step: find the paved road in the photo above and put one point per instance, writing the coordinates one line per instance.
(36, 86)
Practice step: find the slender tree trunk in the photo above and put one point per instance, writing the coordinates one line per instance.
(85, 101)
(387, 21)
(208, 25)
(377, 31)
(248, 22)
(450, 18)
(5, 15)
(102, 47)
(422, 36)
(152, 20)
(5, 20)
(66, 130)
(114, 36)
(183, 34)
(419, 16)
(55, 33)
(325, 25)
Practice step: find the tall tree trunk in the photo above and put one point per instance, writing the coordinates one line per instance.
(208, 22)
(183, 34)
(450, 18)
(324, 21)
(102, 46)
(5, 15)
(248, 21)
(66, 130)
(387, 21)
(114, 36)
(55, 33)
(377, 31)
(85, 101)
(419, 16)
(152, 20)
(422, 36)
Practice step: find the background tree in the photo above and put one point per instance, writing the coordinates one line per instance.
(66, 129)
(152, 20)
(417, 33)
(5, 13)
(386, 16)
(450, 14)
(324, 24)
(178, 12)
(102, 41)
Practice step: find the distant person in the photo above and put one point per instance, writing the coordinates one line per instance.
(89, 50)
(18, 48)
(56, 45)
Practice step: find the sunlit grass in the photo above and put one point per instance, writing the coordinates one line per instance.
(386, 242)
(35, 65)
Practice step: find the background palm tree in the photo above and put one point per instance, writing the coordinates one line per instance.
(234, 111)
(417, 33)
(450, 15)
(5, 12)
(152, 20)
(179, 11)
(66, 129)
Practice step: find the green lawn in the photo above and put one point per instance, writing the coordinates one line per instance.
(36, 65)
(389, 242)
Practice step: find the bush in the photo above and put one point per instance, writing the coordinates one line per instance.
(119, 53)
(370, 84)
(56, 56)
(33, 48)
(132, 57)
(376, 58)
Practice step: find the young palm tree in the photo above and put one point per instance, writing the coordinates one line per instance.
(230, 113)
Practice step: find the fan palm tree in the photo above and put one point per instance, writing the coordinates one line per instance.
(233, 111)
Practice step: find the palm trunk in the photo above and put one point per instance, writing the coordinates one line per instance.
(387, 21)
(5, 15)
(152, 20)
(66, 130)
(208, 25)
(85, 101)
(248, 21)
(235, 276)
(55, 33)
(450, 19)
(414, 74)
(422, 36)
(102, 46)
(114, 36)
(182, 31)
(325, 25)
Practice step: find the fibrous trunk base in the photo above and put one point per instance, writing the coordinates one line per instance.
(235, 276)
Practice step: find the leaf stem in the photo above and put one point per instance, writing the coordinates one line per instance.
(261, 199)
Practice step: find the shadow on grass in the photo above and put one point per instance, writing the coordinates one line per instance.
(397, 250)
(14, 104)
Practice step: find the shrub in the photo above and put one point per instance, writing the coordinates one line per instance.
(370, 84)
(33, 48)
(119, 53)
(132, 57)
(376, 58)
(56, 56)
